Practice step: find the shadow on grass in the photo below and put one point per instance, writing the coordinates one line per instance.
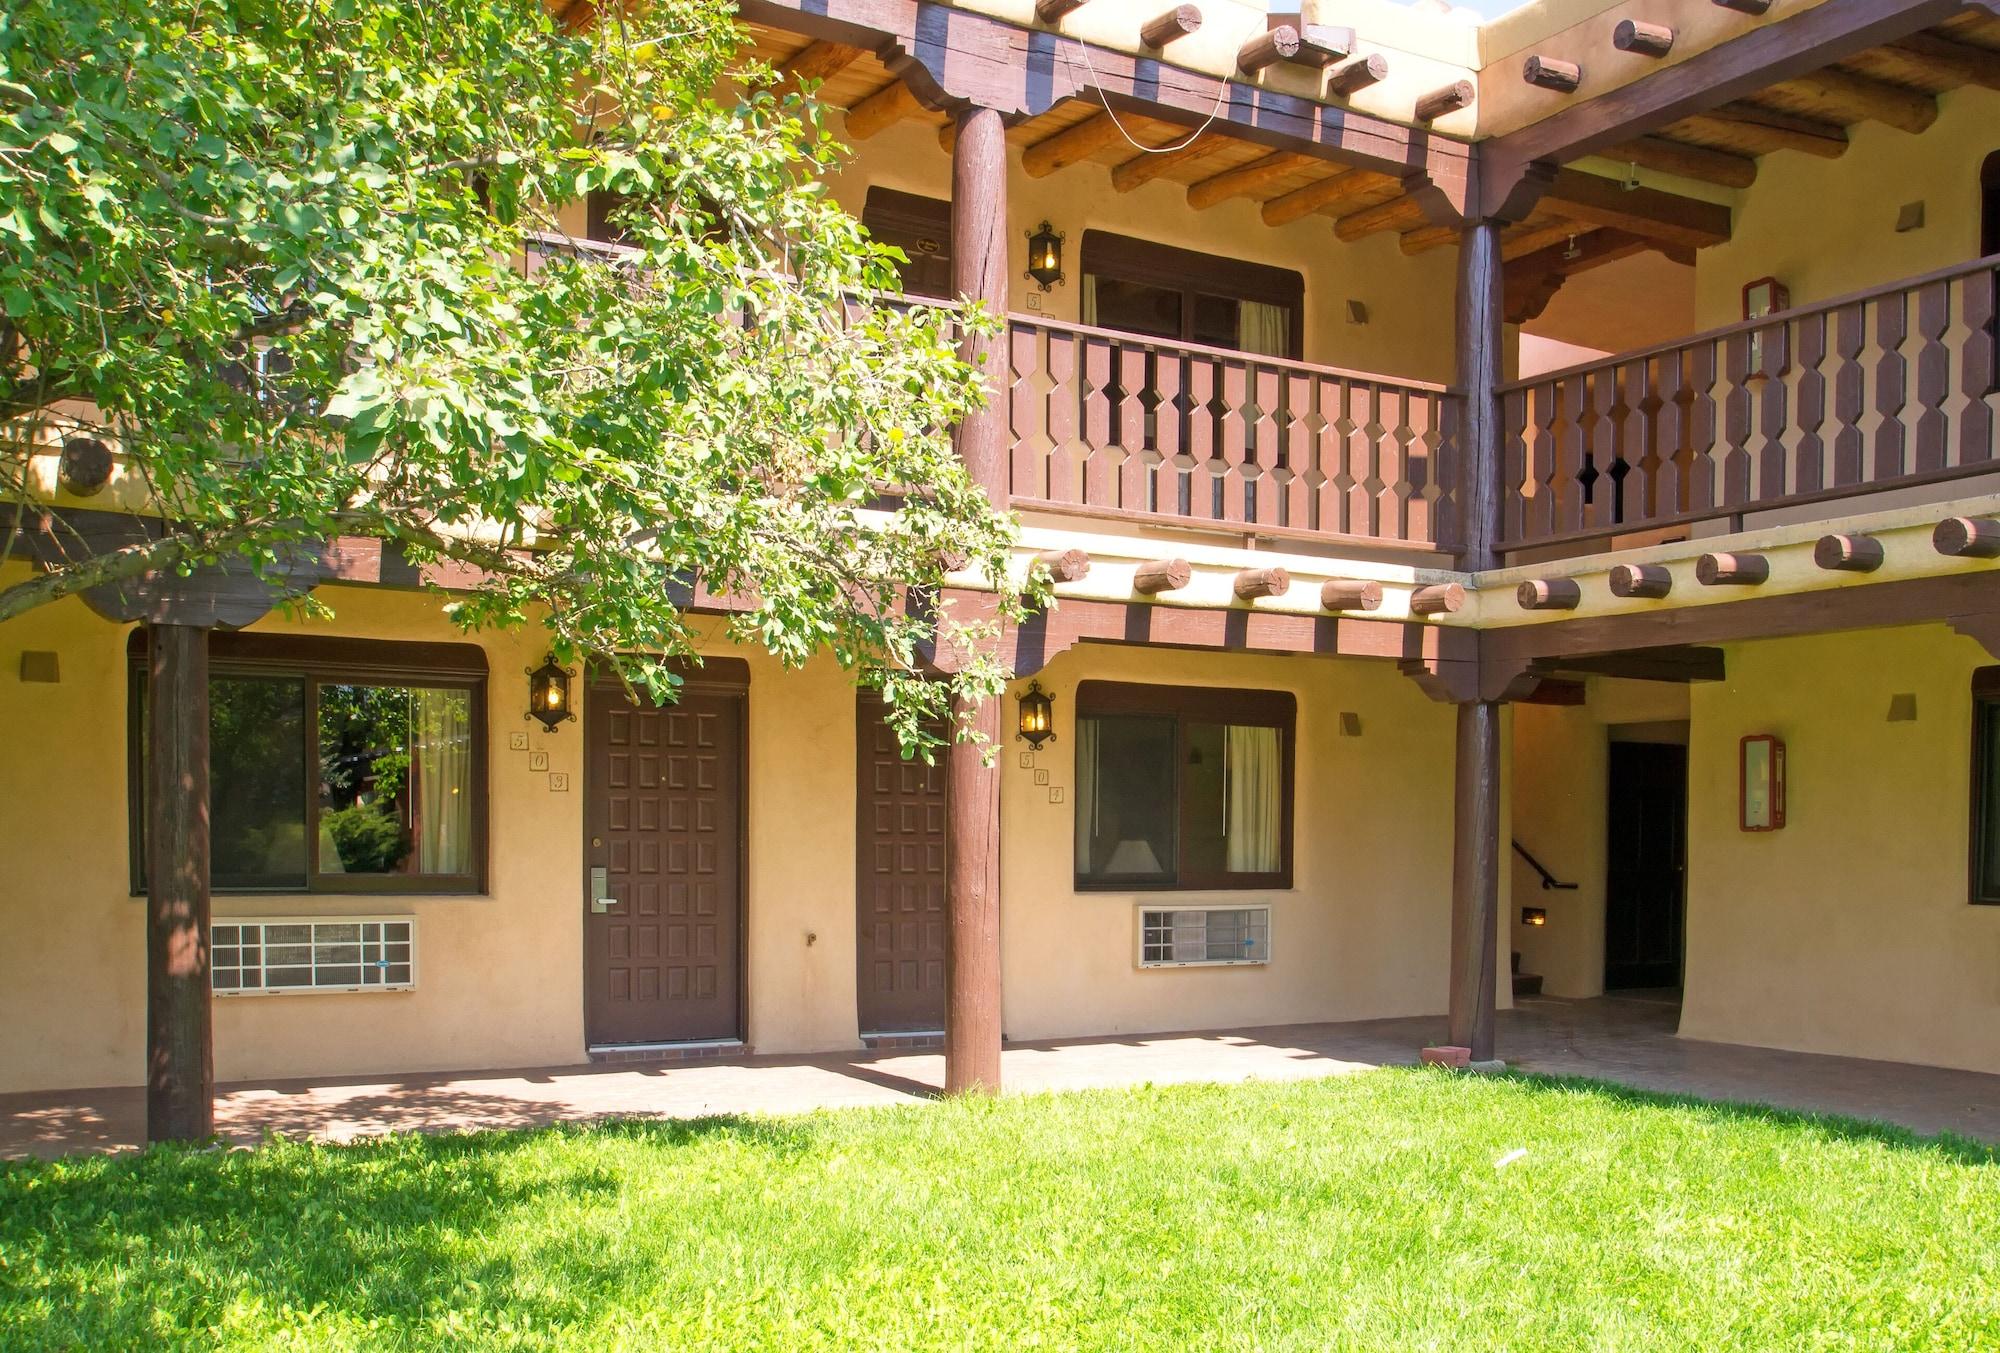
(1951, 1145)
(374, 1231)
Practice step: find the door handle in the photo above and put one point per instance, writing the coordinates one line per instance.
(600, 890)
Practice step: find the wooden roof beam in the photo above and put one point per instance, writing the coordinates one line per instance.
(1071, 145)
(1766, 131)
(1650, 212)
(816, 62)
(882, 110)
(1148, 165)
(1963, 62)
(1398, 213)
(1719, 167)
(1246, 178)
(1319, 195)
(1844, 97)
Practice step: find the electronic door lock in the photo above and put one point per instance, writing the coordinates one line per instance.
(600, 890)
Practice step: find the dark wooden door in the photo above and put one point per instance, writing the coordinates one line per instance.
(664, 821)
(899, 888)
(1644, 889)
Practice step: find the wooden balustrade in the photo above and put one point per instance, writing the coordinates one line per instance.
(1888, 388)
(1109, 423)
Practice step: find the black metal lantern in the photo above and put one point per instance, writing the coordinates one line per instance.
(1037, 716)
(1045, 256)
(548, 693)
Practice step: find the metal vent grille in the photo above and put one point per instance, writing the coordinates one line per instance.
(1211, 935)
(279, 954)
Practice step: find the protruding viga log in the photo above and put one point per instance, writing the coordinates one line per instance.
(1175, 24)
(1646, 39)
(1161, 575)
(1050, 11)
(1967, 537)
(1065, 566)
(1848, 554)
(1437, 599)
(1640, 580)
(1549, 594)
(1732, 570)
(1357, 75)
(1434, 105)
(1252, 583)
(1545, 72)
(1350, 594)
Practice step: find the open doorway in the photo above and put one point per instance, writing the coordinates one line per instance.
(1646, 862)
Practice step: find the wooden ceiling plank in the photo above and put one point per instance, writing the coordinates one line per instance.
(1319, 195)
(1244, 179)
(1651, 212)
(1668, 156)
(1533, 236)
(882, 110)
(1426, 238)
(1072, 145)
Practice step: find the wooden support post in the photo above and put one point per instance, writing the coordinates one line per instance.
(1967, 537)
(1252, 583)
(1356, 75)
(1475, 879)
(1545, 72)
(1640, 580)
(1549, 594)
(1647, 39)
(1449, 99)
(180, 1061)
(1064, 566)
(1268, 48)
(1176, 23)
(1848, 554)
(1345, 594)
(1161, 575)
(1732, 570)
(1437, 599)
(972, 825)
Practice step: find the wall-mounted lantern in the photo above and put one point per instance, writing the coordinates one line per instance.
(548, 693)
(1762, 783)
(1045, 249)
(1037, 716)
(1534, 916)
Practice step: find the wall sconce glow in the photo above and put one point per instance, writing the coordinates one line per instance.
(548, 694)
(1762, 783)
(1045, 249)
(1534, 916)
(1037, 716)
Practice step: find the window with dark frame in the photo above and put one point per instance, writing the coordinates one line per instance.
(1989, 206)
(1182, 295)
(343, 766)
(1180, 788)
(1985, 872)
(921, 228)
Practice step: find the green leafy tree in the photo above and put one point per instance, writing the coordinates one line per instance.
(304, 267)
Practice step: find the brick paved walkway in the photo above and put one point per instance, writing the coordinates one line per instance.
(1619, 1039)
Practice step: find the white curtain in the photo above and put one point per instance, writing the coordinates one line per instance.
(1253, 799)
(1265, 330)
(1087, 303)
(1086, 792)
(441, 766)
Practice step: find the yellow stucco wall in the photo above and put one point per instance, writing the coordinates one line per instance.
(1365, 933)
(1828, 227)
(1410, 300)
(1849, 930)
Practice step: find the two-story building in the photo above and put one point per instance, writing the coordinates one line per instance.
(1471, 456)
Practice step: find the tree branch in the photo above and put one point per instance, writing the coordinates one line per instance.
(119, 565)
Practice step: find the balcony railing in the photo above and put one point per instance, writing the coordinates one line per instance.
(1885, 389)
(1114, 424)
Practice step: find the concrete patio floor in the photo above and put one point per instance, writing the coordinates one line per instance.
(1625, 1039)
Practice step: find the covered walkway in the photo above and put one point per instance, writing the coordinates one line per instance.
(1629, 1040)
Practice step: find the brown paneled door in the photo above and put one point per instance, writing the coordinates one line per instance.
(663, 868)
(899, 888)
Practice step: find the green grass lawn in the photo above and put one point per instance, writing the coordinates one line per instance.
(1364, 1212)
